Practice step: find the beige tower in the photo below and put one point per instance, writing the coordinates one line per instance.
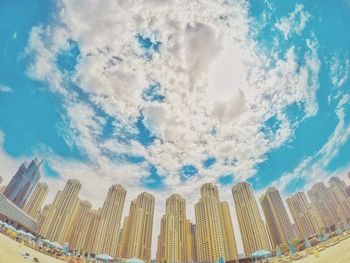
(136, 236)
(42, 217)
(252, 227)
(175, 242)
(61, 215)
(325, 204)
(214, 231)
(81, 226)
(94, 221)
(337, 188)
(278, 223)
(109, 227)
(36, 200)
(304, 215)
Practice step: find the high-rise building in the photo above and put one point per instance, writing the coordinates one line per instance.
(336, 181)
(252, 227)
(81, 226)
(337, 188)
(136, 236)
(36, 200)
(214, 231)
(42, 217)
(304, 215)
(94, 221)
(59, 222)
(325, 204)
(109, 227)
(23, 182)
(193, 233)
(175, 240)
(278, 223)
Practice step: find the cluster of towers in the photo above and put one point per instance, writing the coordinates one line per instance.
(68, 219)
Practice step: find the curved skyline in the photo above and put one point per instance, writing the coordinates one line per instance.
(173, 94)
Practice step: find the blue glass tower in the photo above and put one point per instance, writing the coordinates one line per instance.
(23, 182)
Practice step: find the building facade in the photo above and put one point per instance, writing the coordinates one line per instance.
(23, 182)
(325, 204)
(337, 188)
(36, 200)
(94, 221)
(81, 226)
(135, 240)
(304, 215)
(175, 240)
(109, 225)
(252, 227)
(214, 232)
(58, 224)
(278, 223)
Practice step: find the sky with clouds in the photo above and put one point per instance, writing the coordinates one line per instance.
(164, 95)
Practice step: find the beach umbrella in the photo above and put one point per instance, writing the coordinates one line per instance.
(134, 260)
(9, 227)
(261, 254)
(30, 235)
(103, 257)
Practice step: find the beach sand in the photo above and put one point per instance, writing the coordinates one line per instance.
(339, 253)
(11, 252)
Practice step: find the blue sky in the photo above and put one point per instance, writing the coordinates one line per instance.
(34, 115)
(235, 91)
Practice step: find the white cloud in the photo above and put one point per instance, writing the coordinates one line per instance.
(214, 77)
(5, 89)
(294, 23)
(340, 71)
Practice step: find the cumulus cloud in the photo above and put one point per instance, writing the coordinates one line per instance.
(294, 23)
(5, 89)
(219, 88)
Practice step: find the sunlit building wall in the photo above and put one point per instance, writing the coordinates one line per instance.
(303, 214)
(61, 215)
(252, 227)
(175, 241)
(136, 236)
(109, 226)
(214, 232)
(94, 221)
(81, 226)
(325, 204)
(36, 200)
(278, 223)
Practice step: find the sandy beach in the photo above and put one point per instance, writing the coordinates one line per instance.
(11, 252)
(339, 253)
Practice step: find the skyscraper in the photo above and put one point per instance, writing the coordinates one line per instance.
(278, 223)
(304, 215)
(94, 221)
(252, 227)
(23, 182)
(81, 226)
(136, 236)
(325, 204)
(42, 217)
(36, 200)
(214, 231)
(337, 188)
(175, 242)
(58, 224)
(109, 227)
